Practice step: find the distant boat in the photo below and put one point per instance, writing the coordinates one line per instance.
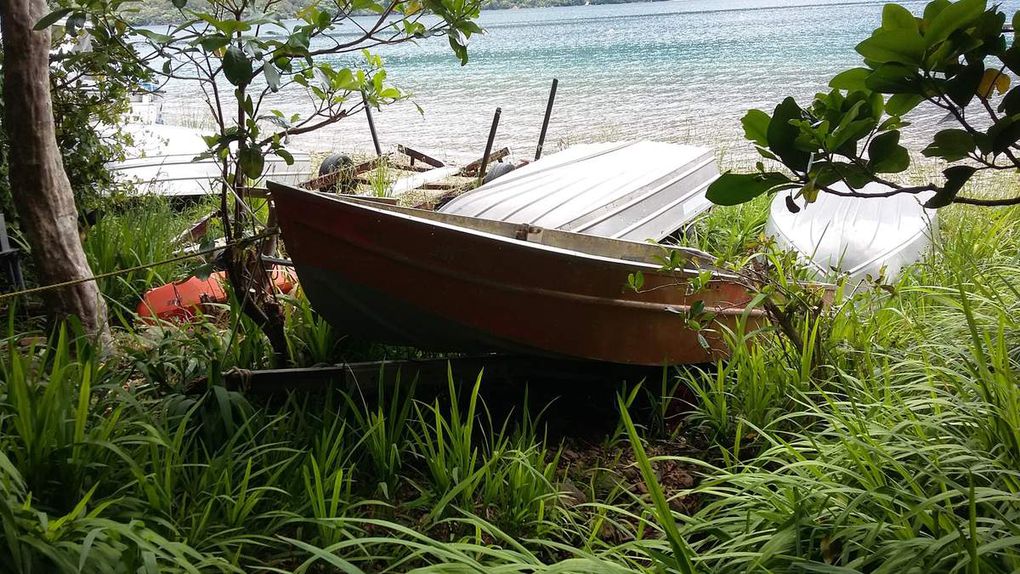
(636, 190)
(855, 236)
(455, 283)
(163, 162)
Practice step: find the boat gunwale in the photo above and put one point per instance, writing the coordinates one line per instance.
(395, 211)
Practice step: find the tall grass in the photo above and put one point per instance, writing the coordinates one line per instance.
(895, 448)
(139, 233)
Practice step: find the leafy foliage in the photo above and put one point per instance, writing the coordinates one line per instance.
(897, 449)
(239, 53)
(249, 46)
(955, 56)
(90, 80)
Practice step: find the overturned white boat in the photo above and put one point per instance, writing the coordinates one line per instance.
(163, 162)
(623, 190)
(855, 236)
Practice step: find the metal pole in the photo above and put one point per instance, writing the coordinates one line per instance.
(488, 146)
(545, 122)
(371, 125)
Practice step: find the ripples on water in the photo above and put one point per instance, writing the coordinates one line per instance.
(681, 70)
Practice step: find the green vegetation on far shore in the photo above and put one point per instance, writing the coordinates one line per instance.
(154, 12)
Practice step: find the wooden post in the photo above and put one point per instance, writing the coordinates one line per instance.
(548, 115)
(488, 146)
(371, 125)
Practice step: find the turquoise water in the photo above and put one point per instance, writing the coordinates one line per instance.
(682, 70)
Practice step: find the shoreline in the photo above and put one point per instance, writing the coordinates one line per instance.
(493, 5)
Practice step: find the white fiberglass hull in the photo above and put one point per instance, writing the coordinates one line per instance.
(860, 237)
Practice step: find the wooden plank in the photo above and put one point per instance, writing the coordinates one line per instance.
(329, 180)
(255, 192)
(410, 183)
(418, 168)
(197, 230)
(498, 369)
(434, 202)
(471, 169)
(440, 186)
(420, 156)
(5, 245)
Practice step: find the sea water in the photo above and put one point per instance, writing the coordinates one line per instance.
(681, 71)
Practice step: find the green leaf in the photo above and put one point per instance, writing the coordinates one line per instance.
(459, 49)
(951, 18)
(286, 155)
(756, 127)
(850, 80)
(1011, 57)
(51, 18)
(933, 9)
(227, 27)
(213, 42)
(737, 188)
(823, 174)
(896, 17)
(204, 271)
(157, 38)
(886, 155)
(893, 78)
(854, 175)
(856, 123)
(1004, 133)
(782, 135)
(951, 145)
(1011, 103)
(962, 87)
(236, 66)
(272, 76)
(299, 42)
(900, 104)
(956, 177)
(251, 162)
(888, 46)
(680, 559)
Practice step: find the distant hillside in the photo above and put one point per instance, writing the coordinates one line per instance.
(163, 11)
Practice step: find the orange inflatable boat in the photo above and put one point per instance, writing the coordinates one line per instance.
(181, 301)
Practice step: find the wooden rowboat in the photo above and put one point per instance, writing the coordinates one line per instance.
(456, 283)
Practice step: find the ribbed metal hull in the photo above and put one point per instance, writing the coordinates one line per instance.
(630, 190)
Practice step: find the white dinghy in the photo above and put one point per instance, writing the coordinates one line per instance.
(855, 236)
(623, 190)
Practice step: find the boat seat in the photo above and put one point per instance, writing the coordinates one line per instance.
(10, 258)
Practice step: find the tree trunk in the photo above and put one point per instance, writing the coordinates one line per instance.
(40, 188)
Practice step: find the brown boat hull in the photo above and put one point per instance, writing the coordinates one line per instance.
(404, 279)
